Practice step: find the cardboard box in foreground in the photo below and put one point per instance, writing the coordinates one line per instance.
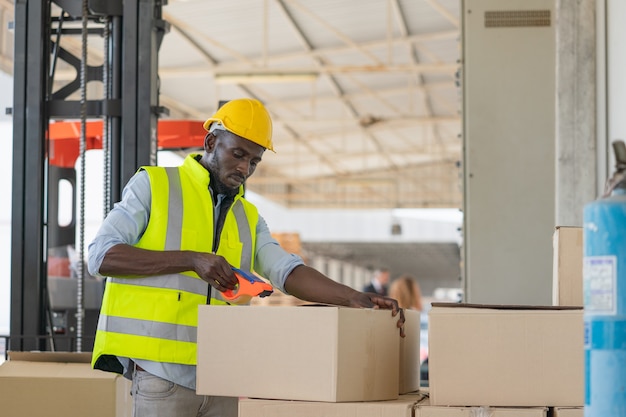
(510, 356)
(402, 407)
(314, 353)
(61, 385)
(567, 275)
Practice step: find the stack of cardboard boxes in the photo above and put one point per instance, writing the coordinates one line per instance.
(310, 360)
(485, 360)
(317, 360)
(333, 361)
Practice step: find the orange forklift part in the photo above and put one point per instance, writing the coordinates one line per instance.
(248, 287)
(64, 138)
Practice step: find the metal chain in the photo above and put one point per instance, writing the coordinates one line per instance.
(80, 309)
(106, 161)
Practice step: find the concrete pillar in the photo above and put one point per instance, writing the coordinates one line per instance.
(509, 105)
(576, 153)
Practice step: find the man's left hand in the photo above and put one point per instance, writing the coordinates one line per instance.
(373, 300)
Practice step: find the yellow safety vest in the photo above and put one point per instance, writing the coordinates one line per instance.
(155, 318)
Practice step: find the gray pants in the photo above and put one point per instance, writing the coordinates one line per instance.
(157, 397)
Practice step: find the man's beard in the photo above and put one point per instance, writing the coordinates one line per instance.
(216, 184)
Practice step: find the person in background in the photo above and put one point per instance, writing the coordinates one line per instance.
(379, 282)
(169, 246)
(407, 291)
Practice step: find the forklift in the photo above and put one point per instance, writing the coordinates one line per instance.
(54, 301)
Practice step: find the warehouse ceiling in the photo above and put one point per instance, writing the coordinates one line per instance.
(363, 93)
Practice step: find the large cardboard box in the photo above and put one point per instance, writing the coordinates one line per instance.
(511, 356)
(402, 407)
(60, 385)
(567, 276)
(410, 353)
(314, 353)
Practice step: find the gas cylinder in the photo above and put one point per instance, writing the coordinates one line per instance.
(604, 295)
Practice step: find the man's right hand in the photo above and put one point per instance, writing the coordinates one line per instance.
(215, 270)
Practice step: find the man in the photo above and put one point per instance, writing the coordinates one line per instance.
(379, 282)
(170, 245)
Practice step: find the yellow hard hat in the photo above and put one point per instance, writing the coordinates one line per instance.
(247, 118)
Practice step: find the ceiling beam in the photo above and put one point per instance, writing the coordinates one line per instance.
(339, 50)
(340, 35)
(242, 71)
(193, 35)
(402, 120)
(454, 19)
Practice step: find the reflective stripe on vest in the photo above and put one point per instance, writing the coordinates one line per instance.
(243, 227)
(244, 235)
(172, 281)
(147, 328)
(174, 210)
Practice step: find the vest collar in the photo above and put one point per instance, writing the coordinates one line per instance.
(200, 173)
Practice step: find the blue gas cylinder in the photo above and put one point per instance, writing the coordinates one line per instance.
(604, 292)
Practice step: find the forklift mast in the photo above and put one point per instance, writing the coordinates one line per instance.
(64, 151)
(48, 139)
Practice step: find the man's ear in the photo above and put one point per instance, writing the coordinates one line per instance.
(209, 142)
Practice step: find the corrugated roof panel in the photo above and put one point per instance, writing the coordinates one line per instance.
(428, 15)
(369, 110)
(325, 22)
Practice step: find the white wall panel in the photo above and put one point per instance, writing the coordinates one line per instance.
(509, 169)
(615, 79)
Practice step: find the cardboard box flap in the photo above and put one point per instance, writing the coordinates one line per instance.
(567, 266)
(505, 306)
(568, 412)
(52, 365)
(435, 411)
(320, 305)
(404, 406)
(410, 353)
(58, 357)
(23, 369)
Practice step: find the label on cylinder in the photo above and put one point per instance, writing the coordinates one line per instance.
(599, 282)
